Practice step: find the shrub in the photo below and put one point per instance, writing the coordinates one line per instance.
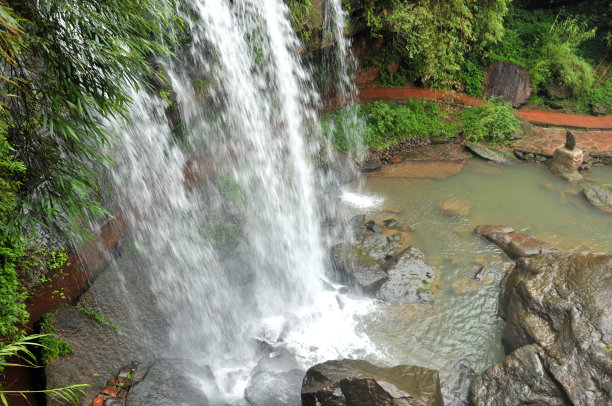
(52, 347)
(387, 124)
(492, 122)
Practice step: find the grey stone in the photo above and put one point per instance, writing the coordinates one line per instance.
(360, 383)
(172, 382)
(490, 153)
(599, 196)
(410, 279)
(509, 81)
(455, 379)
(275, 388)
(98, 353)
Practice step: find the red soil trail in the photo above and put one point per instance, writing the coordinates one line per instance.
(534, 116)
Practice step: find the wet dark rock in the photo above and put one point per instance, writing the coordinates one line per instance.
(482, 273)
(360, 383)
(358, 268)
(490, 153)
(355, 225)
(439, 139)
(172, 382)
(455, 379)
(98, 352)
(373, 227)
(410, 279)
(275, 388)
(519, 380)
(509, 81)
(515, 245)
(599, 196)
(370, 167)
(570, 140)
(558, 333)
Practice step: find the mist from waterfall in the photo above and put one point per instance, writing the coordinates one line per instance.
(227, 204)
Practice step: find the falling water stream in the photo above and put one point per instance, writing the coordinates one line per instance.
(237, 257)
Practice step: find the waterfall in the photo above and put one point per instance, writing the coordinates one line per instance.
(226, 205)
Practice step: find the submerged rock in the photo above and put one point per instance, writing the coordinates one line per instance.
(599, 196)
(380, 265)
(357, 383)
(558, 332)
(456, 207)
(490, 153)
(515, 245)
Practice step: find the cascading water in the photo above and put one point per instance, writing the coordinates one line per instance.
(226, 206)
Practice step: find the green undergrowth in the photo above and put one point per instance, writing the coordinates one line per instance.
(94, 314)
(224, 235)
(387, 124)
(52, 347)
(492, 122)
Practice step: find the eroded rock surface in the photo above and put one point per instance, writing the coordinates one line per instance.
(514, 244)
(379, 264)
(558, 332)
(360, 383)
(599, 196)
(509, 81)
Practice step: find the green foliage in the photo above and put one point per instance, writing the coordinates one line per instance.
(420, 27)
(387, 124)
(224, 236)
(230, 189)
(70, 73)
(52, 347)
(20, 350)
(492, 122)
(599, 99)
(94, 314)
(12, 307)
(559, 62)
(345, 128)
(302, 17)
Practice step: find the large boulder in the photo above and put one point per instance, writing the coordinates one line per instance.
(171, 382)
(456, 378)
(599, 196)
(508, 81)
(409, 280)
(268, 388)
(357, 383)
(558, 331)
(98, 352)
(515, 245)
(379, 263)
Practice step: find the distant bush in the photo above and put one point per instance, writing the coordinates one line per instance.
(491, 122)
(387, 124)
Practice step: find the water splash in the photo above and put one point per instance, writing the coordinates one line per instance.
(227, 203)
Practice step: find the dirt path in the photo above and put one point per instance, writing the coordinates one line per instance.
(534, 116)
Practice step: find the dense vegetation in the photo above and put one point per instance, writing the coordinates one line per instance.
(566, 49)
(387, 124)
(66, 68)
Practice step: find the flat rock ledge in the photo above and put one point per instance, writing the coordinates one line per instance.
(515, 245)
(360, 383)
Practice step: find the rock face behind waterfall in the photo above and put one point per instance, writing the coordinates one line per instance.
(558, 332)
(359, 383)
(380, 265)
